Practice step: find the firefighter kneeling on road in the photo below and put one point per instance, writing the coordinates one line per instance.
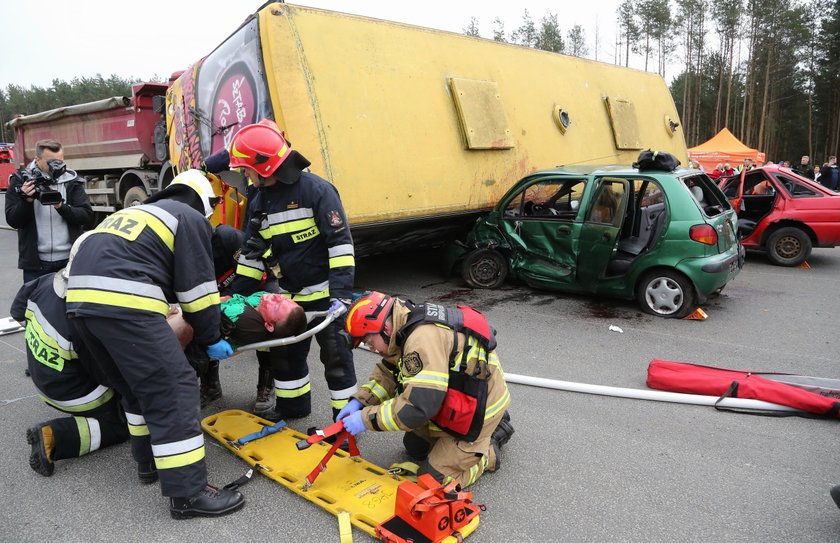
(440, 381)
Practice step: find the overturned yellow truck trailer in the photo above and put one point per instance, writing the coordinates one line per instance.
(420, 130)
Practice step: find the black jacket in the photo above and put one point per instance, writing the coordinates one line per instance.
(306, 226)
(142, 258)
(21, 215)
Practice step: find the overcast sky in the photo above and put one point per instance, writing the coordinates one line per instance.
(52, 39)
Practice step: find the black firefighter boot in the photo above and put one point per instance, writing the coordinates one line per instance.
(835, 495)
(265, 392)
(211, 387)
(43, 444)
(501, 435)
(208, 502)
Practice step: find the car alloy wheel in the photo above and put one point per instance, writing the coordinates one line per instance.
(666, 293)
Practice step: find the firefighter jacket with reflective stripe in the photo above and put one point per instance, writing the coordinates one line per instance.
(406, 389)
(52, 361)
(309, 236)
(141, 259)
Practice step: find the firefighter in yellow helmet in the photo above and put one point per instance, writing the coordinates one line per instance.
(440, 382)
(126, 273)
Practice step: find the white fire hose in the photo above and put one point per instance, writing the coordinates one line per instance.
(654, 395)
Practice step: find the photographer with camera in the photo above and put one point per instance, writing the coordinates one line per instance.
(49, 207)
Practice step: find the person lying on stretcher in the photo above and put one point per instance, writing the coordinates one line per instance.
(262, 316)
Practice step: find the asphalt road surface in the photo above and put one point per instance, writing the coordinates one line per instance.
(580, 468)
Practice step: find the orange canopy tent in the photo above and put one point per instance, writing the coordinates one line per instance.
(723, 147)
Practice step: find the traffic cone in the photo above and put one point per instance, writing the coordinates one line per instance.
(698, 315)
(805, 265)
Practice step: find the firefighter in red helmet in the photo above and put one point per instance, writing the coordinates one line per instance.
(297, 224)
(440, 382)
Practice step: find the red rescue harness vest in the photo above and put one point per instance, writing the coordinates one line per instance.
(462, 412)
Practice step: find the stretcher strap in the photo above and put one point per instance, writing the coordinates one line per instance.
(242, 481)
(345, 530)
(320, 435)
(447, 494)
(266, 430)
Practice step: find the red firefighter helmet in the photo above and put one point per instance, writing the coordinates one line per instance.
(260, 147)
(368, 316)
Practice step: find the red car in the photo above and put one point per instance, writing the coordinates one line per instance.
(783, 213)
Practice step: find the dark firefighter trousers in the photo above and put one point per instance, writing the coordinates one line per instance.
(291, 372)
(142, 359)
(86, 431)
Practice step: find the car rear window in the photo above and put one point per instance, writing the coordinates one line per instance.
(708, 196)
(795, 188)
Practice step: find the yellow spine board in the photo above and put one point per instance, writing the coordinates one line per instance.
(364, 490)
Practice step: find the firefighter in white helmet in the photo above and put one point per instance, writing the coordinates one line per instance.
(135, 263)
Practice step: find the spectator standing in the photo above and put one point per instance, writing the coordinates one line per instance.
(804, 169)
(829, 175)
(47, 225)
(717, 172)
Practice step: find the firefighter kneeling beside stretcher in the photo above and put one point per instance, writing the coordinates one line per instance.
(440, 381)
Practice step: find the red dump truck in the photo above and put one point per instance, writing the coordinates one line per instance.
(7, 164)
(111, 142)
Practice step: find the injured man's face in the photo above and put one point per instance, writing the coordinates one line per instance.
(276, 309)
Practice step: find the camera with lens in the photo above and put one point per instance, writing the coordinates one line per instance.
(42, 181)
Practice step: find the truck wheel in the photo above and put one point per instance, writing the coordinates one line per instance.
(134, 197)
(484, 268)
(788, 246)
(666, 293)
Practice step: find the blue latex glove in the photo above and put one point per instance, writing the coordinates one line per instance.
(352, 406)
(220, 350)
(337, 304)
(354, 424)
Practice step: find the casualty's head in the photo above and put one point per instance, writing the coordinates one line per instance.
(274, 317)
(281, 316)
(190, 187)
(368, 321)
(61, 276)
(265, 155)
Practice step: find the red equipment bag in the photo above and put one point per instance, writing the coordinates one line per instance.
(726, 383)
(427, 512)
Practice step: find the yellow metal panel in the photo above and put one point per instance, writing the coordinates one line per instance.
(625, 125)
(358, 487)
(368, 102)
(481, 113)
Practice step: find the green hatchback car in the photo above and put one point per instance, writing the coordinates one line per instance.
(667, 239)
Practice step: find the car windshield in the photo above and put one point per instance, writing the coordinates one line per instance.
(557, 198)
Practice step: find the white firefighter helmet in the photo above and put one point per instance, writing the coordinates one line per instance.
(199, 183)
(62, 275)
